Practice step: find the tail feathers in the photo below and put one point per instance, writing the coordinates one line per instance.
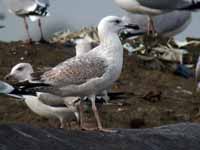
(21, 89)
(5, 88)
(28, 88)
(195, 5)
(39, 11)
(16, 96)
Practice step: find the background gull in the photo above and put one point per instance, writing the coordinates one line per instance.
(34, 9)
(157, 7)
(197, 74)
(168, 24)
(22, 72)
(2, 17)
(92, 73)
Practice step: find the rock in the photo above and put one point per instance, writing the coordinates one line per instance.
(183, 136)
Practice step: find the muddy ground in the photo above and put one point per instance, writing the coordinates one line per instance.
(172, 104)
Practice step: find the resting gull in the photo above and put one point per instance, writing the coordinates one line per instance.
(34, 9)
(22, 72)
(177, 21)
(91, 73)
(157, 7)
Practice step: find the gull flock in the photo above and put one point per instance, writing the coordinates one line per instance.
(59, 92)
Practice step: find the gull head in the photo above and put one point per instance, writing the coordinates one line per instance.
(113, 25)
(20, 72)
(82, 46)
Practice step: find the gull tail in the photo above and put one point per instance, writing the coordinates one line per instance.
(8, 90)
(20, 89)
(195, 5)
(39, 10)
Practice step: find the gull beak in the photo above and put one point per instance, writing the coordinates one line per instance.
(130, 31)
(7, 77)
(132, 26)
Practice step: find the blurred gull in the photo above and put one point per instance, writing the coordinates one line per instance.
(168, 24)
(2, 17)
(34, 9)
(83, 45)
(22, 72)
(157, 7)
(197, 74)
(91, 73)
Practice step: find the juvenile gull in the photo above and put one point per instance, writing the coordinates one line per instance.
(22, 72)
(168, 24)
(157, 7)
(91, 73)
(34, 9)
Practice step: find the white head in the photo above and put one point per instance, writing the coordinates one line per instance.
(82, 46)
(21, 72)
(113, 25)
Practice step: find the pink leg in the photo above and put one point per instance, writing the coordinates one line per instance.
(151, 28)
(41, 32)
(96, 114)
(81, 115)
(27, 30)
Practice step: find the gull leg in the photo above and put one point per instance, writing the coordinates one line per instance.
(151, 28)
(42, 40)
(69, 125)
(27, 30)
(96, 114)
(62, 125)
(80, 110)
(105, 96)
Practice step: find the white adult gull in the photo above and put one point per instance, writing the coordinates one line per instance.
(91, 73)
(197, 75)
(65, 113)
(167, 25)
(157, 7)
(34, 9)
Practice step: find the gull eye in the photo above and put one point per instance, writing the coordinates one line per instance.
(20, 68)
(118, 21)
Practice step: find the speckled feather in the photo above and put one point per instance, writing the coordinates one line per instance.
(71, 71)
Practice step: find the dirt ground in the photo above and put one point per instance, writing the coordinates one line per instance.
(171, 102)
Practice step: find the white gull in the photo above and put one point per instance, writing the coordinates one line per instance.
(157, 7)
(34, 9)
(65, 113)
(91, 73)
(177, 21)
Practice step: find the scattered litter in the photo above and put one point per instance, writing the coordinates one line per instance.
(183, 71)
(181, 90)
(68, 36)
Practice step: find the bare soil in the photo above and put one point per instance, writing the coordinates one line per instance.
(152, 98)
